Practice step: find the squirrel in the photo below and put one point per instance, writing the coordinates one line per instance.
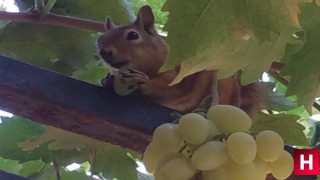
(142, 50)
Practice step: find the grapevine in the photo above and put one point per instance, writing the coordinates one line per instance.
(216, 147)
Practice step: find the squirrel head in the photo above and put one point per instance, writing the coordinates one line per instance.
(136, 46)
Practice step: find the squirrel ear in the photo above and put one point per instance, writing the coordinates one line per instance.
(109, 24)
(146, 19)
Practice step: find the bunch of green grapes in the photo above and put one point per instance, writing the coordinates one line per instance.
(218, 147)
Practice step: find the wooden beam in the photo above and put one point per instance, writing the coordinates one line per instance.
(7, 176)
(55, 99)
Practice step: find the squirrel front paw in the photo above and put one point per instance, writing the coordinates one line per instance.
(134, 77)
(128, 80)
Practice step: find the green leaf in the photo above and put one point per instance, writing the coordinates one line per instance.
(120, 10)
(30, 167)
(260, 57)
(108, 160)
(57, 48)
(292, 49)
(67, 175)
(19, 129)
(285, 125)
(228, 35)
(254, 57)
(275, 100)
(65, 157)
(59, 139)
(303, 67)
(10, 166)
(93, 72)
(105, 155)
(44, 173)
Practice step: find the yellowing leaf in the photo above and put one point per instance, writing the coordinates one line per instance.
(288, 10)
(59, 139)
(228, 35)
(304, 66)
(103, 159)
(251, 56)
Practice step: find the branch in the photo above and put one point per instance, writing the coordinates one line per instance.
(279, 78)
(276, 66)
(53, 19)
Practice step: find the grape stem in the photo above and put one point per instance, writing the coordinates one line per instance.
(56, 166)
(214, 88)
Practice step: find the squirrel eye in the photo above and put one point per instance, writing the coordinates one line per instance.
(132, 36)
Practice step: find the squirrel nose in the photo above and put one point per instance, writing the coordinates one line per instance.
(106, 54)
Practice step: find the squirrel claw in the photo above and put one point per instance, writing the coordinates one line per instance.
(107, 81)
(134, 76)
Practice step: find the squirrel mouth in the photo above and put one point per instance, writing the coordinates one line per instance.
(118, 64)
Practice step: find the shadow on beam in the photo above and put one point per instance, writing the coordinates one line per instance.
(58, 100)
(8, 176)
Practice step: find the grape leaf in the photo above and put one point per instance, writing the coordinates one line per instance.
(303, 67)
(110, 158)
(19, 129)
(207, 35)
(93, 72)
(67, 175)
(252, 56)
(261, 57)
(50, 174)
(275, 100)
(59, 139)
(10, 166)
(105, 155)
(280, 123)
(57, 48)
(30, 167)
(120, 10)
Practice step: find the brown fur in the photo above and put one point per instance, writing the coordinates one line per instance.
(148, 53)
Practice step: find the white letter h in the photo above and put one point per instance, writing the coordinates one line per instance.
(303, 162)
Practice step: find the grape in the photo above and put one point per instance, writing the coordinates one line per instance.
(236, 171)
(214, 175)
(194, 128)
(166, 158)
(153, 154)
(241, 147)
(282, 167)
(167, 135)
(229, 118)
(262, 167)
(213, 130)
(123, 88)
(209, 156)
(178, 168)
(269, 145)
(158, 176)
